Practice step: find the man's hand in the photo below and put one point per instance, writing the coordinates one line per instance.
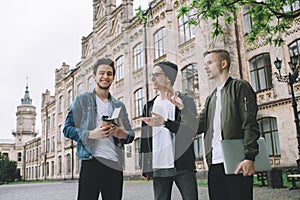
(146, 176)
(175, 100)
(247, 167)
(100, 132)
(119, 132)
(155, 120)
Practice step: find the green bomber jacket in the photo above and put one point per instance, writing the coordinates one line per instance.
(238, 117)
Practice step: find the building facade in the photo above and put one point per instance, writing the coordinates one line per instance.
(136, 47)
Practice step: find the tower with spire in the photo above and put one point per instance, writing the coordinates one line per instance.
(26, 117)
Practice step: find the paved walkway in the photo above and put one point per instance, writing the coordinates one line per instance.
(133, 190)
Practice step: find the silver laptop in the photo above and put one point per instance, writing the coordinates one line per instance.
(233, 151)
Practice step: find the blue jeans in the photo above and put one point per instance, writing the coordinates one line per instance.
(185, 181)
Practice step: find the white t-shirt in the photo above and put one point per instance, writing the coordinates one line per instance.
(163, 140)
(105, 147)
(217, 152)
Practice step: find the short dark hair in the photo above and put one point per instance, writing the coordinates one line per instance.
(221, 53)
(104, 61)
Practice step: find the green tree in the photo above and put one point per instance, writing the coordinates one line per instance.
(269, 19)
(8, 170)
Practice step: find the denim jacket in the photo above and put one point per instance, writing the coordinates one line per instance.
(82, 118)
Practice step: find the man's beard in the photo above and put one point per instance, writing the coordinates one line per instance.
(103, 88)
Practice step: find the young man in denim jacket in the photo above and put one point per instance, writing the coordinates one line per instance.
(100, 147)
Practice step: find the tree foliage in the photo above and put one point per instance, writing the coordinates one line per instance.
(269, 20)
(8, 170)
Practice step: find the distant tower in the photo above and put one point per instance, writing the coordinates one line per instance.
(25, 130)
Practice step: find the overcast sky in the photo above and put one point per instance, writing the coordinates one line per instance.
(37, 36)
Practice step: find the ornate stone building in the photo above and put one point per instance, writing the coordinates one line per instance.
(136, 47)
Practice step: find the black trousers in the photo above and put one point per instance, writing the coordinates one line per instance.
(228, 187)
(100, 175)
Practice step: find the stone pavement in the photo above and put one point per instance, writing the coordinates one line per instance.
(133, 190)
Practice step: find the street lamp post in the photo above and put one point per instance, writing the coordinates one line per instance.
(291, 78)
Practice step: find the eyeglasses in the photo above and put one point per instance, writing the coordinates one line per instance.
(156, 74)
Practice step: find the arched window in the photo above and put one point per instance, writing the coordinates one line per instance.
(68, 163)
(59, 165)
(52, 168)
(198, 147)
(190, 81)
(79, 88)
(139, 102)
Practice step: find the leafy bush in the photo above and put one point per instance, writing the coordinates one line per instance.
(8, 170)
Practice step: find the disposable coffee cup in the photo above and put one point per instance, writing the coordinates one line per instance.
(106, 120)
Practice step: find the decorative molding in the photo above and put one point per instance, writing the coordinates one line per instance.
(274, 104)
(138, 76)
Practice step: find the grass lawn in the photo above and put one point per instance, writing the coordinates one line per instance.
(203, 182)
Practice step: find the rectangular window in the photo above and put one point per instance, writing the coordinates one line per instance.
(120, 68)
(137, 57)
(61, 104)
(53, 121)
(269, 130)
(186, 31)
(59, 165)
(137, 145)
(198, 147)
(139, 102)
(48, 123)
(70, 97)
(292, 8)
(159, 43)
(59, 134)
(19, 156)
(53, 143)
(247, 19)
(261, 72)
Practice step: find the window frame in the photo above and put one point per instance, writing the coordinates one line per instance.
(186, 31)
(120, 68)
(159, 43)
(272, 141)
(257, 71)
(137, 56)
(139, 99)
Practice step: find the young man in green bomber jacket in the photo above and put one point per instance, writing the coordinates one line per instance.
(229, 113)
